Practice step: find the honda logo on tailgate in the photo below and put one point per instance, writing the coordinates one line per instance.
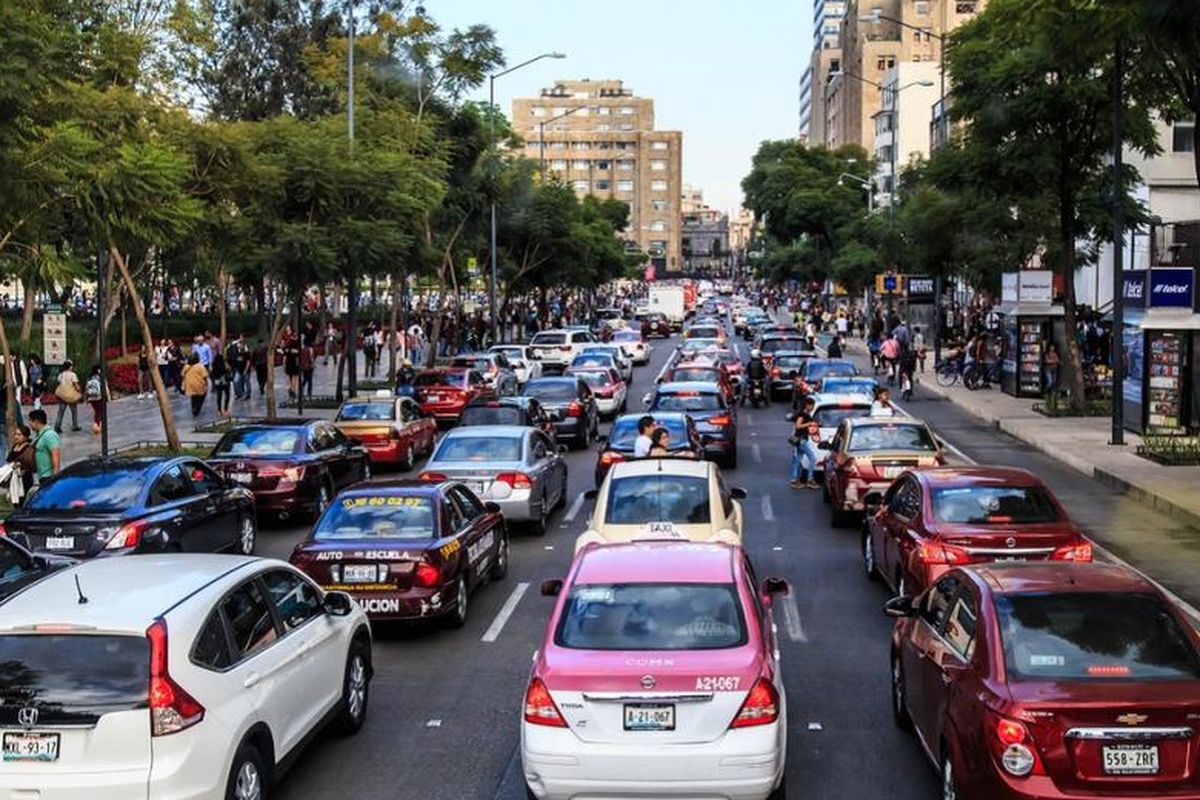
(27, 717)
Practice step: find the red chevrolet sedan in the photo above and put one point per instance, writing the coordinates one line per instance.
(444, 393)
(933, 519)
(1050, 681)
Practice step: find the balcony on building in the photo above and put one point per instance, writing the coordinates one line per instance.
(940, 124)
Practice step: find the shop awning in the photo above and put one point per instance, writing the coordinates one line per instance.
(1031, 310)
(1163, 319)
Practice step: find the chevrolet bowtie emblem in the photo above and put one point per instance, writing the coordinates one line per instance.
(1132, 719)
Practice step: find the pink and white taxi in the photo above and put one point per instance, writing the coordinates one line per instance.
(658, 676)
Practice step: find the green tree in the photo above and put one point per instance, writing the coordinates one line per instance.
(1166, 38)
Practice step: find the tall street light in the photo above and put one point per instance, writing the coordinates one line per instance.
(877, 15)
(542, 137)
(492, 141)
(864, 183)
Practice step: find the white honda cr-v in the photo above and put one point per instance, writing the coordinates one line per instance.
(173, 677)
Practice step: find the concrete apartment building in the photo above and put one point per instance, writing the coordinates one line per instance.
(599, 137)
(705, 240)
(902, 122)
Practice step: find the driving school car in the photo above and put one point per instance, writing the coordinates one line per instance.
(407, 550)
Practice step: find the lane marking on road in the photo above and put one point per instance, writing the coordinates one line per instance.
(791, 620)
(768, 511)
(433, 723)
(751, 421)
(547, 547)
(757, 452)
(506, 611)
(573, 511)
(777, 548)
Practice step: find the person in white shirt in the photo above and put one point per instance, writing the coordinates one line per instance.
(882, 407)
(643, 443)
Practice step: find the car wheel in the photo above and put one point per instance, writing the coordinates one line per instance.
(780, 791)
(500, 565)
(458, 617)
(356, 690)
(542, 524)
(826, 497)
(410, 457)
(246, 535)
(366, 470)
(324, 496)
(899, 697)
(949, 782)
(868, 550)
(837, 517)
(247, 776)
(731, 459)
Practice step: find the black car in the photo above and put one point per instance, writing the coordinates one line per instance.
(683, 439)
(20, 568)
(115, 506)
(784, 368)
(522, 410)
(569, 402)
(715, 416)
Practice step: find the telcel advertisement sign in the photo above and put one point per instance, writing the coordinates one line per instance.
(1160, 287)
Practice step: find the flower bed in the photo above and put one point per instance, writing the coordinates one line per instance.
(1171, 451)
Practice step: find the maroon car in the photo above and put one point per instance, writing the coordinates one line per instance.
(444, 393)
(933, 519)
(407, 550)
(1050, 681)
(292, 466)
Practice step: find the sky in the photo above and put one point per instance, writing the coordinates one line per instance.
(725, 72)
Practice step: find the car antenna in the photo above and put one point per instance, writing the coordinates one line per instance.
(82, 597)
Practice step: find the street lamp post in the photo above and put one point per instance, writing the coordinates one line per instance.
(866, 184)
(542, 138)
(492, 142)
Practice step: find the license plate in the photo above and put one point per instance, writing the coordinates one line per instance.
(893, 472)
(244, 478)
(649, 717)
(433, 398)
(31, 746)
(475, 486)
(60, 542)
(360, 573)
(1130, 760)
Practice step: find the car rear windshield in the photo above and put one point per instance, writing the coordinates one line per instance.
(259, 442)
(652, 616)
(481, 364)
(1081, 636)
(774, 345)
(790, 362)
(377, 517)
(624, 432)
(891, 437)
(696, 374)
(641, 499)
(688, 401)
(455, 379)
(984, 505)
(74, 673)
(594, 378)
(492, 415)
(111, 490)
(832, 416)
(479, 448)
(553, 391)
(549, 338)
(626, 336)
(704, 332)
(823, 369)
(848, 386)
(600, 359)
(360, 412)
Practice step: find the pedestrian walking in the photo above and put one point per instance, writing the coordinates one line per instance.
(69, 394)
(308, 359)
(259, 361)
(94, 394)
(291, 363)
(175, 365)
(195, 383)
(47, 446)
(237, 359)
(162, 362)
(37, 380)
(219, 374)
(805, 432)
(23, 463)
(143, 375)
(1050, 366)
(331, 334)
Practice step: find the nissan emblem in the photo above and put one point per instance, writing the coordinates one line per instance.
(648, 682)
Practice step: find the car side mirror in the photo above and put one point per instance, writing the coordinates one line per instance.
(899, 607)
(338, 604)
(824, 445)
(872, 501)
(791, 417)
(774, 586)
(591, 494)
(551, 588)
(38, 563)
(647, 399)
(492, 508)
(738, 493)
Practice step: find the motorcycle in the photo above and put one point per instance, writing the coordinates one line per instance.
(757, 393)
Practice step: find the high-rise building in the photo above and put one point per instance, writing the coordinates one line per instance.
(600, 138)
(826, 59)
(805, 127)
(705, 234)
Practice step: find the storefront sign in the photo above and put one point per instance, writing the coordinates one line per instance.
(1008, 287)
(1035, 285)
(1133, 290)
(920, 287)
(1172, 287)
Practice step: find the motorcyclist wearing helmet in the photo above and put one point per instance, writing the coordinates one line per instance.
(756, 370)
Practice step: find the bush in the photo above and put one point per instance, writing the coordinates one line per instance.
(1171, 451)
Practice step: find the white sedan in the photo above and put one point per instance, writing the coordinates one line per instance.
(634, 345)
(524, 363)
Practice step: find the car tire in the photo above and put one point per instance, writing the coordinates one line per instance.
(410, 458)
(458, 617)
(837, 517)
(900, 714)
(949, 783)
(366, 470)
(826, 497)
(780, 791)
(731, 459)
(529, 795)
(356, 690)
(542, 523)
(248, 777)
(500, 566)
(868, 552)
(324, 498)
(247, 534)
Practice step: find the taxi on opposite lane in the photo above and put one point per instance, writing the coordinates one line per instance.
(658, 676)
(407, 550)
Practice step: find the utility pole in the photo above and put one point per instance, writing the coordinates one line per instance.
(1118, 285)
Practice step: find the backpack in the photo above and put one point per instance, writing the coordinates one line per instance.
(93, 388)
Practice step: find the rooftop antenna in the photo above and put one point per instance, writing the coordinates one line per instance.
(82, 598)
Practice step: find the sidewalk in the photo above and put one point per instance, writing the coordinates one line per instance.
(1079, 442)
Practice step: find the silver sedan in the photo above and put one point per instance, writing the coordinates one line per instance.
(517, 468)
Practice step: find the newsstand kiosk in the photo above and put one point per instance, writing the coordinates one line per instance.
(1027, 324)
(1158, 354)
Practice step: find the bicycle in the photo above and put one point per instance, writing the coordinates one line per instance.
(949, 370)
(978, 376)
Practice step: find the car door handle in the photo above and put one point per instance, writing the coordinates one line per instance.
(251, 680)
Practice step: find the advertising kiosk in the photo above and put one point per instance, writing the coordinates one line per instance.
(1026, 327)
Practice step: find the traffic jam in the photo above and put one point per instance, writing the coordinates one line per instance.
(146, 651)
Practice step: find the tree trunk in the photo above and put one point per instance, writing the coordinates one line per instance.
(222, 302)
(1067, 259)
(160, 389)
(272, 343)
(10, 394)
(124, 332)
(29, 289)
(392, 337)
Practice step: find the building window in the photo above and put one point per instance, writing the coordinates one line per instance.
(602, 186)
(885, 63)
(625, 166)
(624, 186)
(582, 112)
(559, 164)
(1181, 138)
(557, 145)
(626, 111)
(582, 186)
(921, 8)
(604, 145)
(658, 205)
(537, 111)
(964, 7)
(582, 145)
(626, 126)
(658, 186)
(658, 164)
(581, 164)
(658, 144)
(601, 165)
(658, 225)
(558, 111)
(603, 127)
(603, 111)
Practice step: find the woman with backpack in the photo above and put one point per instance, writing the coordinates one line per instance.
(93, 392)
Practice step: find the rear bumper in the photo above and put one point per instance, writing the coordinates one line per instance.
(389, 452)
(122, 784)
(741, 765)
(609, 405)
(519, 507)
(411, 604)
(444, 411)
(569, 427)
(296, 498)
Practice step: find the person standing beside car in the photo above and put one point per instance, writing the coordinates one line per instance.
(47, 445)
(21, 456)
(805, 430)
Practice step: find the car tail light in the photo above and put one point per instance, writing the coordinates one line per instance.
(566, 348)
(1073, 552)
(517, 480)
(723, 419)
(293, 474)
(575, 409)
(539, 706)
(933, 553)
(427, 575)
(1013, 747)
(761, 706)
(775, 371)
(128, 535)
(610, 457)
(171, 708)
(433, 477)
(3, 530)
